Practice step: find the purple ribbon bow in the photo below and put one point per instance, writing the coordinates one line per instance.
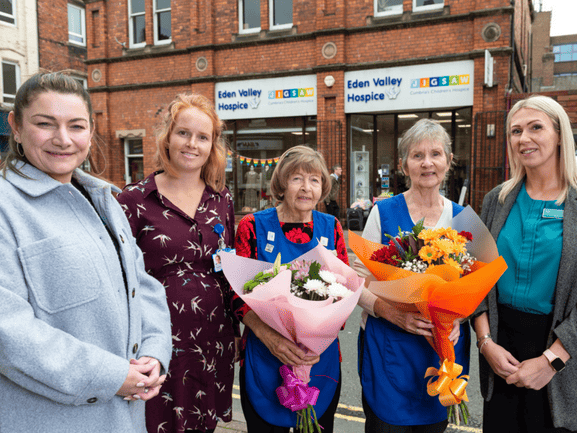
(294, 394)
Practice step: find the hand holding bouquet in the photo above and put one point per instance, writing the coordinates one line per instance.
(307, 301)
(432, 272)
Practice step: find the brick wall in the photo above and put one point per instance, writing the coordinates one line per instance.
(210, 29)
(55, 52)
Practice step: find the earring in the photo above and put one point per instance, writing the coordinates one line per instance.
(20, 149)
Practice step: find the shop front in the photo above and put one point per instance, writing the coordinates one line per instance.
(263, 119)
(381, 104)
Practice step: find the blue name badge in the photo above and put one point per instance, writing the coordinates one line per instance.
(553, 213)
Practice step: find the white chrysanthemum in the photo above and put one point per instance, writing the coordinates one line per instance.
(315, 286)
(328, 277)
(337, 290)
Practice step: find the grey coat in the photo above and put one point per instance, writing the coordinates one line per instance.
(562, 389)
(68, 323)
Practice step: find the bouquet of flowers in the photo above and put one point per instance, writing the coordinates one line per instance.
(307, 301)
(432, 272)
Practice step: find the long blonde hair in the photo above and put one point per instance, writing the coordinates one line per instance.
(212, 171)
(562, 125)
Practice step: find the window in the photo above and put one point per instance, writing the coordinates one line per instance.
(133, 160)
(76, 25)
(82, 81)
(388, 7)
(565, 53)
(8, 11)
(249, 16)
(10, 81)
(136, 24)
(426, 5)
(162, 27)
(281, 14)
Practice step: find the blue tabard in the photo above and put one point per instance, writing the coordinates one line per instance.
(392, 362)
(262, 375)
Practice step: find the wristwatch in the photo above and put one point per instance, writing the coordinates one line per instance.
(556, 362)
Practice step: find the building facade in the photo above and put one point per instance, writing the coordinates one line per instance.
(18, 55)
(344, 77)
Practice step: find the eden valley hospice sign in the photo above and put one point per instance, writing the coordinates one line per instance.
(416, 87)
(271, 97)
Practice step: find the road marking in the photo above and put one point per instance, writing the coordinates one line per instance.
(362, 420)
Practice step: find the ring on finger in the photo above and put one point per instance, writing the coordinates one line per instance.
(146, 390)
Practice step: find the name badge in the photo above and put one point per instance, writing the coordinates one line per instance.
(216, 258)
(269, 248)
(324, 241)
(553, 213)
(270, 237)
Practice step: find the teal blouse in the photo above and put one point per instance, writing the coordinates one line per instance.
(530, 242)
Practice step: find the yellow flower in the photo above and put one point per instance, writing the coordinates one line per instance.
(428, 254)
(453, 263)
(443, 246)
(428, 235)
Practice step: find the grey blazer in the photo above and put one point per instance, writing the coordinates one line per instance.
(562, 389)
(69, 321)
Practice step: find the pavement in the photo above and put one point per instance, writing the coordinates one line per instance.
(350, 418)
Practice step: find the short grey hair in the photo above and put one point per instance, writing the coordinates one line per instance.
(424, 129)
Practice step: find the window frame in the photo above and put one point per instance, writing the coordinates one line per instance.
(17, 77)
(271, 17)
(131, 17)
(395, 10)
(128, 156)
(426, 8)
(558, 53)
(156, 13)
(13, 16)
(82, 25)
(242, 30)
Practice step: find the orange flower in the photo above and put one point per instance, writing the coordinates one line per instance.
(449, 261)
(428, 235)
(428, 254)
(443, 246)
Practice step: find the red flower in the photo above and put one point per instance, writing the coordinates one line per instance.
(467, 235)
(388, 255)
(298, 236)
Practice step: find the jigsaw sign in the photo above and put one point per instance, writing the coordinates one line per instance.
(275, 97)
(416, 87)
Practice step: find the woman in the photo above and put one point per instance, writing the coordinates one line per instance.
(393, 351)
(526, 325)
(181, 215)
(85, 332)
(299, 182)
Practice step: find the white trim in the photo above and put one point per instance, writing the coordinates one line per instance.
(13, 16)
(129, 156)
(242, 30)
(391, 10)
(271, 17)
(81, 35)
(156, 13)
(427, 7)
(131, 17)
(17, 77)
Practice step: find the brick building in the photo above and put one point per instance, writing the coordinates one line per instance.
(62, 36)
(345, 77)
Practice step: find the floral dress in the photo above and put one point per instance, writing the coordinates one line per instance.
(178, 252)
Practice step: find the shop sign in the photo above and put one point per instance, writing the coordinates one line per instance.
(258, 144)
(416, 87)
(272, 97)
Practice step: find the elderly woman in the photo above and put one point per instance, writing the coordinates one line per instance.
(394, 351)
(527, 326)
(299, 182)
(180, 216)
(84, 330)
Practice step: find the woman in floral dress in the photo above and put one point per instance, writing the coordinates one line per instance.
(180, 216)
(298, 183)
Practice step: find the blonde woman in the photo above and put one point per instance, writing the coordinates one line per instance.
(527, 326)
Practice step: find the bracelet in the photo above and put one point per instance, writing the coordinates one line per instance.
(483, 338)
(485, 341)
